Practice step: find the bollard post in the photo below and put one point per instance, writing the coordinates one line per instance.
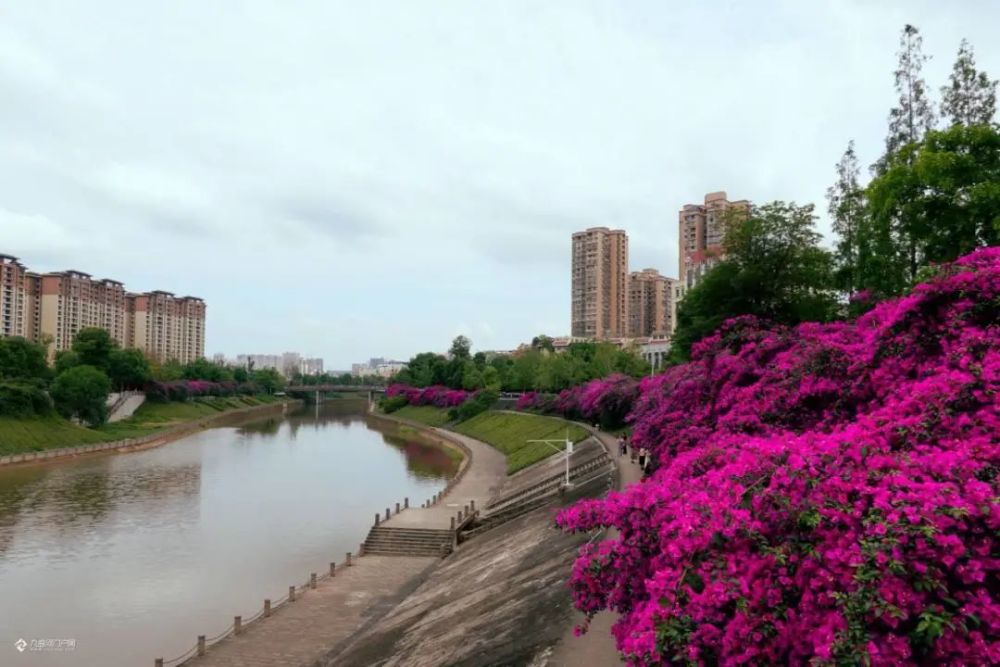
(376, 518)
(460, 516)
(267, 608)
(472, 504)
(201, 644)
(237, 625)
(312, 580)
(291, 593)
(158, 662)
(348, 559)
(333, 569)
(453, 523)
(466, 510)
(386, 513)
(406, 503)
(397, 508)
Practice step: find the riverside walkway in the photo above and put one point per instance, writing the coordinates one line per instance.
(300, 633)
(597, 647)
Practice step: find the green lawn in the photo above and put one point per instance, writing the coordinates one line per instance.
(510, 432)
(28, 435)
(425, 414)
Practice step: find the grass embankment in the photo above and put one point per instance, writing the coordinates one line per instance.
(31, 435)
(510, 432)
(425, 414)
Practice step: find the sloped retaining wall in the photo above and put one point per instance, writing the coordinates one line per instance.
(158, 438)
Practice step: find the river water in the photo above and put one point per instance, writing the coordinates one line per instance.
(134, 555)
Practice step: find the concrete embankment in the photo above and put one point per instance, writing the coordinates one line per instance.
(148, 441)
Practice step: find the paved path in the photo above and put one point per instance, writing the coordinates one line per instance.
(597, 647)
(300, 633)
(485, 474)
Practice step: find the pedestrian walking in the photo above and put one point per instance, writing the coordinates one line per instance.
(622, 448)
(642, 458)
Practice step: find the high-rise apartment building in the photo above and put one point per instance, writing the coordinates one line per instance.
(167, 327)
(69, 301)
(13, 297)
(702, 230)
(56, 306)
(600, 283)
(651, 309)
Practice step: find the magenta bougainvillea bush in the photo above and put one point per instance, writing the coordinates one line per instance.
(606, 402)
(181, 390)
(825, 494)
(438, 396)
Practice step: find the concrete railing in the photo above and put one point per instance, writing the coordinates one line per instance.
(165, 435)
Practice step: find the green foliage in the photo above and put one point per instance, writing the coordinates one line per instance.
(460, 348)
(774, 269)
(23, 400)
(970, 98)
(203, 369)
(393, 404)
(129, 369)
(936, 201)
(847, 208)
(65, 360)
(479, 403)
(93, 347)
(269, 380)
(510, 432)
(82, 392)
(21, 359)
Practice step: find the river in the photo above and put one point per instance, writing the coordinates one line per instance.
(132, 556)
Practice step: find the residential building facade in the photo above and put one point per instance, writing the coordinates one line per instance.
(56, 306)
(702, 230)
(650, 302)
(599, 283)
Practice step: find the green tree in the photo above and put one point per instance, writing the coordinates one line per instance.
(93, 346)
(970, 98)
(129, 369)
(491, 379)
(21, 359)
(240, 374)
(936, 201)
(542, 342)
(846, 199)
(472, 377)
(82, 393)
(913, 117)
(774, 269)
(460, 348)
(65, 360)
(524, 370)
(203, 369)
(269, 380)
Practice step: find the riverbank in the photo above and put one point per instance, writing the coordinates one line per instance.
(151, 426)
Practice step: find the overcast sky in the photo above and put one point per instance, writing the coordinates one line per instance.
(361, 179)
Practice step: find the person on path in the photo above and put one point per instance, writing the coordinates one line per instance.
(622, 447)
(642, 458)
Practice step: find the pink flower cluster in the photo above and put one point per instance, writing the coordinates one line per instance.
(436, 395)
(827, 494)
(606, 401)
(181, 390)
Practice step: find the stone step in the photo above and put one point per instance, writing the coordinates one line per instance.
(372, 544)
(406, 551)
(380, 530)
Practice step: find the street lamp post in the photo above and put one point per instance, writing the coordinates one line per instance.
(569, 450)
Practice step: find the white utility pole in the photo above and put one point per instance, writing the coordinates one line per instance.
(569, 450)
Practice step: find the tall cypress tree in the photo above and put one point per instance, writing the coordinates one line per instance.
(914, 115)
(846, 204)
(970, 98)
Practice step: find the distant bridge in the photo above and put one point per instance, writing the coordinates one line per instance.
(325, 388)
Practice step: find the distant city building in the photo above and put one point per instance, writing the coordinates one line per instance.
(600, 283)
(702, 229)
(313, 366)
(650, 304)
(59, 304)
(379, 366)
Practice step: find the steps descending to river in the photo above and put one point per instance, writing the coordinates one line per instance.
(388, 541)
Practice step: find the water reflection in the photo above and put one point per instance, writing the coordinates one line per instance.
(168, 543)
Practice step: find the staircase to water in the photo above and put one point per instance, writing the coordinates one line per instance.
(388, 541)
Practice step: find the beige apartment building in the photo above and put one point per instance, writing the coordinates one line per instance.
(702, 230)
(651, 308)
(55, 306)
(13, 299)
(167, 327)
(600, 283)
